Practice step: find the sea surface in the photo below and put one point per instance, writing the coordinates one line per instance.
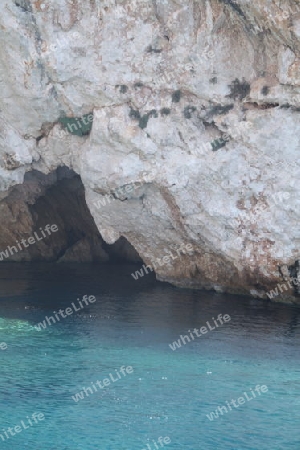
(168, 394)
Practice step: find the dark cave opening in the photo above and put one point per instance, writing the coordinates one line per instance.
(56, 200)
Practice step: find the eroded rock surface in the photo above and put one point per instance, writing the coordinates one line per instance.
(164, 80)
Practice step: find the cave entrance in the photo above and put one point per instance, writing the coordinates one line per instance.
(59, 199)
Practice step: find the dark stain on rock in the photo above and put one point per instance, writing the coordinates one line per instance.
(294, 270)
(123, 88)
(24, 5)
(165, 111)
(181, 137)
(143, 122)
(134, 114)
(213, 80)
(255, 105)
(150, 49)
(39, 138)
(265, 90)
(188, 110)
(288, 106)
(232, 4)
(176, 96)
(220, 109)
(239, 89)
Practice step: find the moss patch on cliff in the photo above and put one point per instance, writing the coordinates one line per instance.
(143, 120)
(78, 126)
(217, 144)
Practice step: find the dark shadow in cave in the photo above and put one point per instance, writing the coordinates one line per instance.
(77, 240)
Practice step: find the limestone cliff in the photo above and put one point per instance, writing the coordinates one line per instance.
(186, 112)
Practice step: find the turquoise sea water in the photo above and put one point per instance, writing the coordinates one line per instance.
(170, 393)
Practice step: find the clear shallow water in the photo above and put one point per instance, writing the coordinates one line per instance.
(169, 392)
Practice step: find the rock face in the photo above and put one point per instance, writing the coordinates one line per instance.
(181, 119)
